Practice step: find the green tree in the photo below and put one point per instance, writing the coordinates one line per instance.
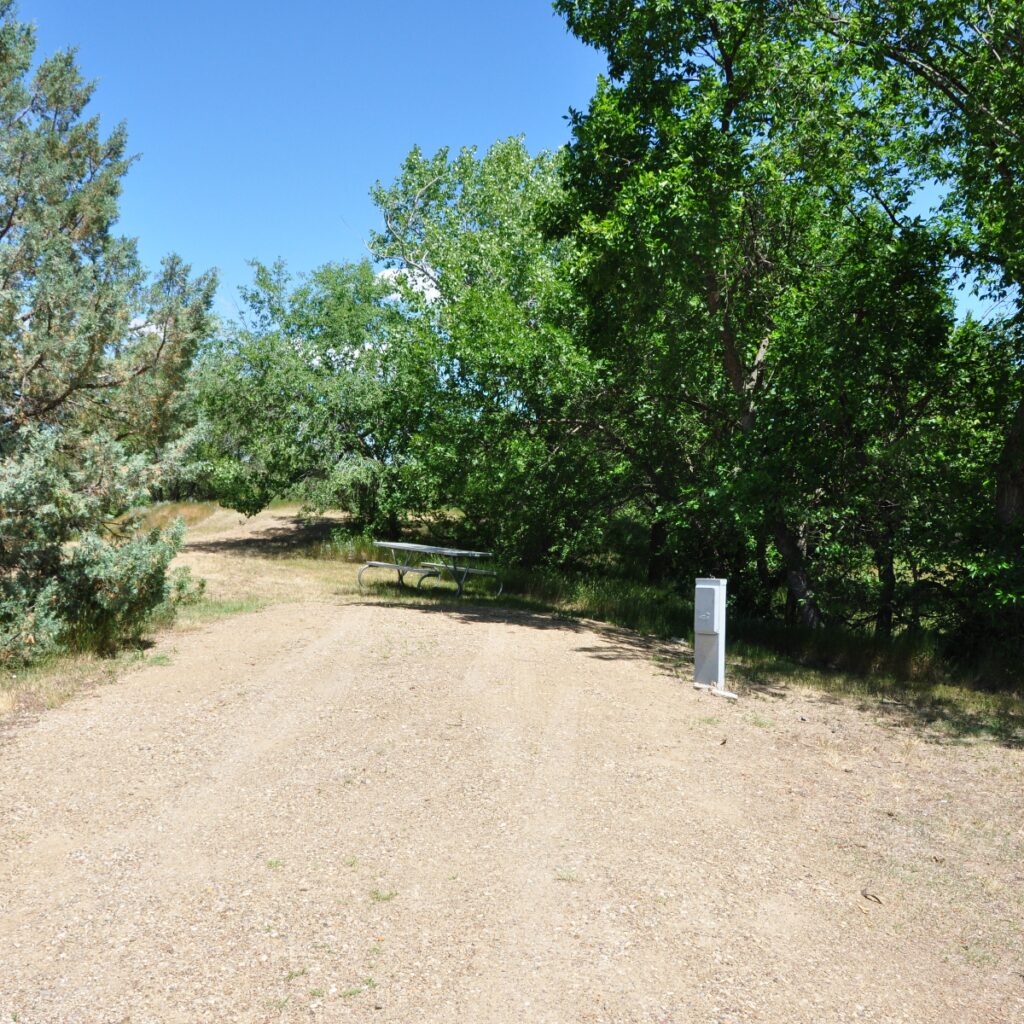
(506, 432)
(308, 395)
(89, 354)
(780, 329)
(696, 185)
(950, 74)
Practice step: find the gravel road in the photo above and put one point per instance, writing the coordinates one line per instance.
(340, 809)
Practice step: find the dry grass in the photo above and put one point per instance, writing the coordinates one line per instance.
(164, 513)
(944, 708)
(57, 679)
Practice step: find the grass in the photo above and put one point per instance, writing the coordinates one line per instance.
(945, 707)
(163, 513)
(51, 681)
(208, 609)
(345, 546)
(367, 985)
(638, 606)
(380, 896)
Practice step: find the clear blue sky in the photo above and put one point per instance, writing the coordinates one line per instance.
(261, 126)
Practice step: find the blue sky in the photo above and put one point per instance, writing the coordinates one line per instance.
(261, 126)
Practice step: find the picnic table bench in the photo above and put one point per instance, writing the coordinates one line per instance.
(454, 562)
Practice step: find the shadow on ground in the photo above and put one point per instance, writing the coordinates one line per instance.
(898, 705)
(615, 643)
(295, 536)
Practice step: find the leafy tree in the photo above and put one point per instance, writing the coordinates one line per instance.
(884, 421)
(307, 395)
(779, 327)
(695, 187)
(90, 355)
(505, 434)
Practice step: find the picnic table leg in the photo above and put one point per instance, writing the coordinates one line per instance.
(400, 561)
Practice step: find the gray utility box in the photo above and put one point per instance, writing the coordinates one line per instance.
(709, 635)
(709, 606)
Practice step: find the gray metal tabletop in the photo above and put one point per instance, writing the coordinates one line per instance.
(431, 549)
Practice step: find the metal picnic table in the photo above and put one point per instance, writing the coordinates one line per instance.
(453, 561)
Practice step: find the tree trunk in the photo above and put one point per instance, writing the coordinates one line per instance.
(656, 568)
(807, 611)
(1010, 472)
(887, 580)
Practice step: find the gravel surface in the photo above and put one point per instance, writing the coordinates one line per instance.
(339, 809)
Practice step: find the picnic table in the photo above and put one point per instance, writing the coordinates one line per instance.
(454, 562)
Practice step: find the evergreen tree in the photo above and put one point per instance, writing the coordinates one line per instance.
(91, 356)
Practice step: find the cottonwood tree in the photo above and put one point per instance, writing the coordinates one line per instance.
(951, 77)
(506, 432)
(694, 183)
(732, 153)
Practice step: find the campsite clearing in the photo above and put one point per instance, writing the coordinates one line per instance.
(339, 807)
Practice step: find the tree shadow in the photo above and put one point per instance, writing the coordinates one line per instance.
(296, 537)
(615, 643)
(938, 718)
(945, 722)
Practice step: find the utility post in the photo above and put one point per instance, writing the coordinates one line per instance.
(709, 637)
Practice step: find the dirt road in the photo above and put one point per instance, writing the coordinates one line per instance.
(338, 809)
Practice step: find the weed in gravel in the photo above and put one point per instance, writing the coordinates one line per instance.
(316, 993)
(566, 875)
(760, 721)
(348, 993)
(979, 955)
(300, 973)
(159, 660)
(379, 896)
(275, 864)
(210, 609)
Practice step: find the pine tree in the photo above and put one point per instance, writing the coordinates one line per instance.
(91, 355)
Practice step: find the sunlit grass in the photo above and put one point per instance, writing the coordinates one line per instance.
(211, 609)
(163, 513)
(54, 680)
